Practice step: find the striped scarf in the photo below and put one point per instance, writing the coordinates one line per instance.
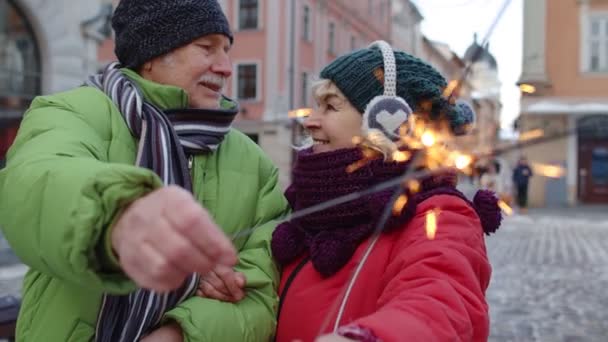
(164, 140)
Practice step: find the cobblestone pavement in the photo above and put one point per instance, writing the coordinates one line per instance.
(550, 278)
(11, 271)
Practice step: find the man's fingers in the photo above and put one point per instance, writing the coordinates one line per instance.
(232, 281)
(196, 225)
(214, 280)
(180, 252)
(209, 291)
(158, 273)
(241, 280)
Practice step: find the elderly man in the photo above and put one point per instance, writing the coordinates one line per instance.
(116, 193)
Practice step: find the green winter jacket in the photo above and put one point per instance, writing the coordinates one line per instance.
(70, 171)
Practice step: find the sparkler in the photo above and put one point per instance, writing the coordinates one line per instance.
(546, 170)
(527, 88)
(505, 207)
(431, 223)
(533, 134)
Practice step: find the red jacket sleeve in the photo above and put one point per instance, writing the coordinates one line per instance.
(435, 289)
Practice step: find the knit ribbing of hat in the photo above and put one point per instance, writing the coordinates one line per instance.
(354, 75)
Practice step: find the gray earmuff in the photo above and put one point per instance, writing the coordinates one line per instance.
(387, 112)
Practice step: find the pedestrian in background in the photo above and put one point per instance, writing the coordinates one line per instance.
(521, 178)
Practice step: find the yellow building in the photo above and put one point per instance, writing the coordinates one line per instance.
(565, 65)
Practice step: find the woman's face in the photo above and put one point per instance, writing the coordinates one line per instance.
(335, 122)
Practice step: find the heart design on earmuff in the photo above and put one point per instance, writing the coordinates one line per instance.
(391, 122)
(387, 114)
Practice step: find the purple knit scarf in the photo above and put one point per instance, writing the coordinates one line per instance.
(331, 236)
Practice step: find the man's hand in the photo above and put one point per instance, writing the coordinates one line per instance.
(166, 235)
(222, 284)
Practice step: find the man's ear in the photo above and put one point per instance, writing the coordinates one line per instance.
(145, 68)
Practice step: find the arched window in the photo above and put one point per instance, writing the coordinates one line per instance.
(19, 61)
(19, 71)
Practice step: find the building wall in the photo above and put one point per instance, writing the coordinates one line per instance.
(566, 69)
(556, 61)
(290, 66)
(67, 55)
(552, 153)
(407, 33)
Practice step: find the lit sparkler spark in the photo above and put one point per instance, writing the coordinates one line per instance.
(299, 113)
(428, 139)
(550, 171)
(431, 223)
(357, 165)
(462, 161)
(399, 205)
(401, 156)
(413, 186)
(451, 89)
(527, 88)
(533, 134)
(505, 207)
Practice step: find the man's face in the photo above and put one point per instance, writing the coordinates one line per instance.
(201, 68)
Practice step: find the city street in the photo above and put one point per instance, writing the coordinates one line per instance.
(549, 276)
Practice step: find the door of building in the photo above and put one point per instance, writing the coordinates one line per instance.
(593, 159)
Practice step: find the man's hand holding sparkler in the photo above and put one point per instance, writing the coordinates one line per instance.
(165, 236)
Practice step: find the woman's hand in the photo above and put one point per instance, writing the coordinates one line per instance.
(333, 338)
(171, 332)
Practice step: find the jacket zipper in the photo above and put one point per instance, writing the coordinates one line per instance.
(190, 164)
(288, 283)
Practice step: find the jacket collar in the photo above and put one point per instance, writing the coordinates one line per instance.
(161, 95)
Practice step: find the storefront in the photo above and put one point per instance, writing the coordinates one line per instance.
(593, 158)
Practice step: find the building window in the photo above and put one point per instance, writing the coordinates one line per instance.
(19, 59)
(305, 90)
(598, 44)
(248, 14)
(20, 69)
(331, 48)
(306, 34)
(247, 81)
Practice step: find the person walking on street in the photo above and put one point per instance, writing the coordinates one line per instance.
(521, 177)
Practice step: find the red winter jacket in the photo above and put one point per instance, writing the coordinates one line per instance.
(410, 289)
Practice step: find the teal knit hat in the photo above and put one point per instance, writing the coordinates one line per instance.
(360, 77)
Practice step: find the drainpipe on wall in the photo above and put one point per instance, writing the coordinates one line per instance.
(292, 74)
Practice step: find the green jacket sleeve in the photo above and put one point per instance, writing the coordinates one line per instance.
(253, 318)
(58, 193)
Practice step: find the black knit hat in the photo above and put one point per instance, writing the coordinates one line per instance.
(150, 28)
